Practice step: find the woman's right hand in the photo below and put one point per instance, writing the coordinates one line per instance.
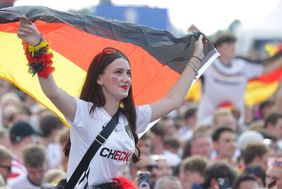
(28, 32)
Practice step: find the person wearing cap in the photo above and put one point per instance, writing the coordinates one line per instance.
(225, 80)
(20, 135)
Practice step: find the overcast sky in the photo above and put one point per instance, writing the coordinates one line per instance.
(207, 15)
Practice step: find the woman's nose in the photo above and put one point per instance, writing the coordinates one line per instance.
(126, 78)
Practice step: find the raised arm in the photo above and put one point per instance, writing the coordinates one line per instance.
(64, 102)
(176, 94)
(273, 63)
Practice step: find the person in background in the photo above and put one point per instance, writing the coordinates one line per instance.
(256, 155)
(245, 182)
(169, 124)
(273, 125)
(224, 82)
(21, 114)
(34, 160)
(171, 151)
(158, 134)
(168, 182)
(192, 171)
(52, 177)
(250, 137)
(49, 126)
(266, 108)
(219, 175)
(224, 139)
(21, 134)
(164, 167)
(145, 144)
(200, 144)
(257, 172)
(224, 117)
(189, 123)
(147, 164)
(274, 174)
(5, 163)
(4, 137)
(10, 98)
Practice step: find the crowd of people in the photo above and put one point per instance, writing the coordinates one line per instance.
(200, 145)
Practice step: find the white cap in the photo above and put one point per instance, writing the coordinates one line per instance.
(249, 137)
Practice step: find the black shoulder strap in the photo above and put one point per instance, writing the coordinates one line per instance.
(96, 144)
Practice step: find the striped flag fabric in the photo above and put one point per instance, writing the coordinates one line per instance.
(157, 57)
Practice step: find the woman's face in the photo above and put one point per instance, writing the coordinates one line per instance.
(115, 81)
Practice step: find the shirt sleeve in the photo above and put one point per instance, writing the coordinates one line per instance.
(81, 113)
(252, 70)
(144, 114)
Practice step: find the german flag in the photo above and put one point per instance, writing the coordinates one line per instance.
(157, 57)
(263, 87)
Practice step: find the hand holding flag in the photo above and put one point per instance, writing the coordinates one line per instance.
(28, 32)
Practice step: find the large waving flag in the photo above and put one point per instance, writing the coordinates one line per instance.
(263, 87)
(157, 57)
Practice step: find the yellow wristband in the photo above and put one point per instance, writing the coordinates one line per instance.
(32, 49)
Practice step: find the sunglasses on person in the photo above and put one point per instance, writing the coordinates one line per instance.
(9, 168)
(107, 51)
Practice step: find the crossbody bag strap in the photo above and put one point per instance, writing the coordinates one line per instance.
(94, 147)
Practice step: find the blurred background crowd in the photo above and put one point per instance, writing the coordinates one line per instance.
(216, 140)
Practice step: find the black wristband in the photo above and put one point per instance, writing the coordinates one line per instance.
(198, 58)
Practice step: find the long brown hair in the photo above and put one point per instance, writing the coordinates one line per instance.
(92, 91)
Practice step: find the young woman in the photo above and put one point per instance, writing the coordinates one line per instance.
(106, 90)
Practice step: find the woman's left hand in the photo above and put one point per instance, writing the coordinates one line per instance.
(199, 47)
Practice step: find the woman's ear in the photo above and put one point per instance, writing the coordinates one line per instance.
(100, 80)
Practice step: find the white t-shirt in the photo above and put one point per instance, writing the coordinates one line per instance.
(113, 156)
(53, 155)
(225, 84)
(18, 170)
(24, 183)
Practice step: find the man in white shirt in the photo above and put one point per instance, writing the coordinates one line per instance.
(226, 79)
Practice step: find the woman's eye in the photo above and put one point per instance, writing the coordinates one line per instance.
(118, 72)
(129, 74)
